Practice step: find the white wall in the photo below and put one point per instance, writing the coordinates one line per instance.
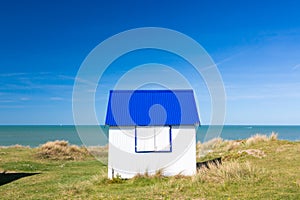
(127, 163)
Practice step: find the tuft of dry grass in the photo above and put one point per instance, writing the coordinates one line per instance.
(227, 172)
(206, 147)
(261, 138)
(256, 139)
(61, 150)
(158, 174)
(233, 144)
(273, 136)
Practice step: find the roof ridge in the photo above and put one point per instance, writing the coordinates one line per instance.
(177, 90)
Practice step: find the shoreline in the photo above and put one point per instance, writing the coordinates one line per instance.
(35, 136)
(105, 146)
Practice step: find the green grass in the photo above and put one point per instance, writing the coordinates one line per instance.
(243, 175)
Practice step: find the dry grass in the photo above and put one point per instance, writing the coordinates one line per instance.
(206, 147)
(158, 174)
(228, 149)
(253, 152)
(214, 143)
(256, 139)
(61, 150)
(17, 146)
(261, 138)
(227, 172)
(273, 136)
(228, 145)
(231, 171)
(233, 144)
(99, 152)
(298, 183)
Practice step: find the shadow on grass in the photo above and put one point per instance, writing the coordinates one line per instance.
(10, 177)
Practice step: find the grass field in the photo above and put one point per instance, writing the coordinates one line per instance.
(258, 168)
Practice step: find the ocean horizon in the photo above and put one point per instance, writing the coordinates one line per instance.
(35, 135)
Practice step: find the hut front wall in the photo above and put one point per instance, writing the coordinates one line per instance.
(125, 162)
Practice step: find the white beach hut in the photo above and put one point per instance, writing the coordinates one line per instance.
(151, 130)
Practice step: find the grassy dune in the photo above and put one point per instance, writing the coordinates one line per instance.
(260, 167)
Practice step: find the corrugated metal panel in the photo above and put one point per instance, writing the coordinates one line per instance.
(151, 107)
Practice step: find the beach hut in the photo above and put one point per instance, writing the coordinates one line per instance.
(151, 131)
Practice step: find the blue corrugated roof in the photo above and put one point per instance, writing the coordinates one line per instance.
(151, 107)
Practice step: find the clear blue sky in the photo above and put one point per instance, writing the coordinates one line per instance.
(256, 45)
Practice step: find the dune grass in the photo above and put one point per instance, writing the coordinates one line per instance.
(262, 168)
(61, 150)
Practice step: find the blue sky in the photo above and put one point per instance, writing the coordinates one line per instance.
(255, 44)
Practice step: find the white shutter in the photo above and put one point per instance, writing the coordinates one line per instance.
(152, 139)
(162, 138)
(145, 139)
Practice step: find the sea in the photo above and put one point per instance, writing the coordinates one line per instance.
(35, 135)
